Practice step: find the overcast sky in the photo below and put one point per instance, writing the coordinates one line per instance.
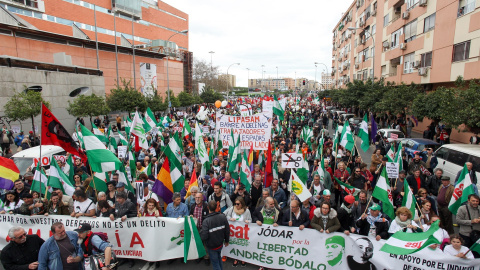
(290, 35)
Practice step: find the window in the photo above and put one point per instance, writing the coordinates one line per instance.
(365, 74)
(429, 23)
(411, 4)
(408, 61)
(396, 38)
(457, 157)
(371, 73)
(410, 31)
(426, 59)
(465, 6)
(386, 20)
(367, 13)
(372, 52)
(461, 51)
(384, 70)
(374, 29)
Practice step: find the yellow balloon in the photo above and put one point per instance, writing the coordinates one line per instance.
(218, 104)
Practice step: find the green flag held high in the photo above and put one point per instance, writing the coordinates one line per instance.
(348, 189)
(187, 130)
(346, 139)
(39, 183)
(363, 134)
(100, 135)
(245, 173)
(150, 120)
(383, 192)
(408, 198)
(174, 152)
(463, 188)
(99, 157)
(277, 108)
(193, 245)
(58, 179)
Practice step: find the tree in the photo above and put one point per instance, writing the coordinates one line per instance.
(197, 99)
(155, 102)
(465, 108)
(204, 73)
(126, 98)
(174, 100)
(435, 105)
(210, 96)
(91, 105)
(24, 105)
(186, 99)
(372, 95)
(398, 99)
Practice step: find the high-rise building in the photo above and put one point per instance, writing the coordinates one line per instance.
(228, 78)
(427, 42)
(326, 81)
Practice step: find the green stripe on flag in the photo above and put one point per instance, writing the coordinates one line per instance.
(403, 243)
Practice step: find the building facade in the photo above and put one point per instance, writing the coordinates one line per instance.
(228, 78)
(143, 24)
(326, 81)
(428, 42)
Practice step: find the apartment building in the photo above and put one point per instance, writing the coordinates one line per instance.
(229, 79)
(327, 81)
(269, 84)
(428, 42)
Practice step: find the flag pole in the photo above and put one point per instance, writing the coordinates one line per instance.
(366, 208)
(93, 179)
(40, 160)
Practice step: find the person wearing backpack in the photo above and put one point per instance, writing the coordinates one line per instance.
(94, 243)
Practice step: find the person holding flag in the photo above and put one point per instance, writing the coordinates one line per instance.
(457, 248)
(373, 224)
(403, 222)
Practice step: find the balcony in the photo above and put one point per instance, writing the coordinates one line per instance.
(34, 5)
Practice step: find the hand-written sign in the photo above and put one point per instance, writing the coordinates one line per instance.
(392, 169)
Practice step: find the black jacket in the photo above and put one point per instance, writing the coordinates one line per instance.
(255, 194)
(432, 184)
(303, 219)
(246, 198)
(19, 256)
(381, 228)
(128, 209)
(215, 230)
(204, 210)
(346, 220)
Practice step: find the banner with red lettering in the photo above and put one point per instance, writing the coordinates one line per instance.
(291, 248)
(253, 130)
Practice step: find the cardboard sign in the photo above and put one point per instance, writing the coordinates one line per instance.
(394, 136)
(392, 169)
(122, 151)
(292, 160)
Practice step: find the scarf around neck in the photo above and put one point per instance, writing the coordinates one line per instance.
(348, 210)
(403, 224)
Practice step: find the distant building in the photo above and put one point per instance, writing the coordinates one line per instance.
(326, 82)
(230, 79)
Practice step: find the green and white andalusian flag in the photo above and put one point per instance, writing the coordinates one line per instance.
(306, 134)
(193, 246)
(69, 169)
(321, 170)
(123, 141)
(123, 178)
(336, 140)
(298, 187)
(112, 142)
(408, 198)
(348, 189)
(363, 134)
(39, 183)
(403, 243)
(187, 130)
(132, 165)
(234, 156)
(138, 130)
(318, 154)
(200, 144)
(245, 173)
(100, 135)
(99, 157)
(391, 153)
(150, 120)
(277, 108)
(463, 188)
(174, 152)
(302, 172)
(347, 138)
(58, 179)
(399, 158)
(383, 192)
(99, 182)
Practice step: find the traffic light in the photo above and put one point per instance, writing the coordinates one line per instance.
(303, 82)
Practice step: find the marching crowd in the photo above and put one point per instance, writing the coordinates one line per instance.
(218, 197)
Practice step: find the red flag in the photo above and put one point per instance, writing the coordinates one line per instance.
(268, 168)
(54, 133)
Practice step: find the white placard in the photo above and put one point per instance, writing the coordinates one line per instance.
(392, 169)
(122, 151)
(16, 129)
(292, 160)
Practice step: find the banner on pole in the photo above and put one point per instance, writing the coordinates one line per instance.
(254, 130)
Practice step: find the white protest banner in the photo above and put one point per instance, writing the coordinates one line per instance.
(244, 110)
(292, 160)
(267, 106)
(122, 151)
(254, 130)
(392, 169)
(290, 248)
(206, 129)
(146, 238)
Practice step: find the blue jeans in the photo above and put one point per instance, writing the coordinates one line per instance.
(216, 258)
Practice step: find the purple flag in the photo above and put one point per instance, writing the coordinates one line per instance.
(415, 120)
(374, 128)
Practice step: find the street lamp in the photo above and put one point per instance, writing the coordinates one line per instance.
(228, 78)
(318, 63)
(373, 42)
(248, 81)
(168, 80)
(211, 57)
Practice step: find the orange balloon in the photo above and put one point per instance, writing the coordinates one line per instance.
(218, 104)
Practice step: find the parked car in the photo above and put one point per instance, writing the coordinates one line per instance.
(417, 144)
(452, 157)
(26, 158)
(347, 116)
(387, 132)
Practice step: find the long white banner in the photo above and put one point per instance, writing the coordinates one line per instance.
(254, 130)
(146, 238)
(290, 248)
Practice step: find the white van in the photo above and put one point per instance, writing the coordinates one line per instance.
(452, 157)
(25, 158)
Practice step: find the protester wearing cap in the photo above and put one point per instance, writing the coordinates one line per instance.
(373, 224)
(123, 208)
(28, 179)
(22, 250)
(26, 207)
(445, 192)
(345, 215)
(326, 197)
(240, 192)
(130, 195)
(92, 244)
